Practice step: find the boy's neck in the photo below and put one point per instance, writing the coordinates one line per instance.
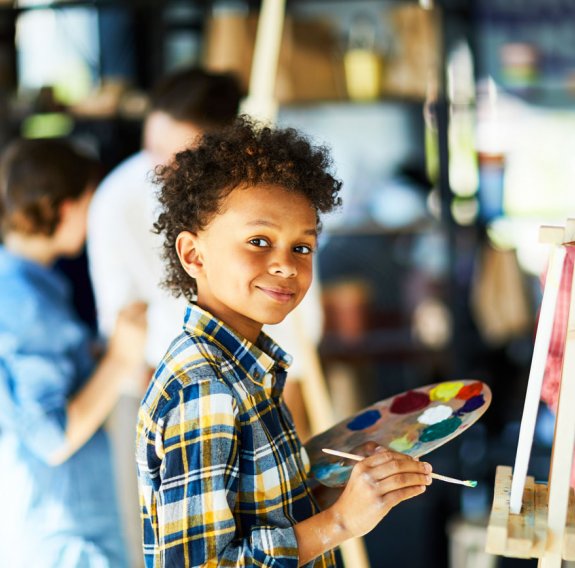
(37, 248)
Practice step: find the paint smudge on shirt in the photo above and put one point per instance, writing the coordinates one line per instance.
(364, 420)
(435, 414)
(409, 402)
(440, 430)
(469, 391)
(472, 404)
(445, 391)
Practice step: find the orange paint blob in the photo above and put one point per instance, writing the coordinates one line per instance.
(469, 391)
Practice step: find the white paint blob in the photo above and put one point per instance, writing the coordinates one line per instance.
(435, 414)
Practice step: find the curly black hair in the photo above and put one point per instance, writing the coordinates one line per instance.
(243, 154)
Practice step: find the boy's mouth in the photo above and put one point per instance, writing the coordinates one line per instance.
(281, 295)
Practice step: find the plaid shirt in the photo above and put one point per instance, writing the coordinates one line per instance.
(220, 469)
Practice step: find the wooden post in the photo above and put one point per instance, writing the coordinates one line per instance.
(261, 102)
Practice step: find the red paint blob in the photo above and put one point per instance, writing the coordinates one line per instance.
(409, 402)
(469, 391)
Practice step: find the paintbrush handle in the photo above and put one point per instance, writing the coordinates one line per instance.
(437, 476)
(342, 454)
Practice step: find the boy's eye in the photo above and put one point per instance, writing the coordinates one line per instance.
(259, 242)
(303, 249)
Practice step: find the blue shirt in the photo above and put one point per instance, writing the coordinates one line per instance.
(52, 516)
(221, 471)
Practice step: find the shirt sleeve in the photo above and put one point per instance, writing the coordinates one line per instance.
(199, 483)
(33, 400)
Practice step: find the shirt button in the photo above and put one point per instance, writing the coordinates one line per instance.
(257, 375)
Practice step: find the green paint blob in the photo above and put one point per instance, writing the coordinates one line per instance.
(402, 444)
(440, 430)
(472, 483)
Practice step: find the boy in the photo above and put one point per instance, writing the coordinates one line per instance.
(222, 474)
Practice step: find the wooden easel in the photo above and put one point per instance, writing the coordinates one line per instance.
(528, 519)
(261, 104)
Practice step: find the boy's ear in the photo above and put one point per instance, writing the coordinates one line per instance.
(188, 253)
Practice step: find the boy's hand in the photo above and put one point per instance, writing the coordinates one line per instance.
(376, 485)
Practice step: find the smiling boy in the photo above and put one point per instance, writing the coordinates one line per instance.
(222, 473)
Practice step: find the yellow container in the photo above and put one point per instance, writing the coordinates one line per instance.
(362, 74)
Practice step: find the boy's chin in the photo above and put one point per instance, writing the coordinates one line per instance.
(275, 320)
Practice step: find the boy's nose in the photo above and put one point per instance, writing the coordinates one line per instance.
(284, 265)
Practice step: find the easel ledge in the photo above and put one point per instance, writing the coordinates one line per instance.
(524, 535)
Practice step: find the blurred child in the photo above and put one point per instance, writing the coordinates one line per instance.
(59, 502)
(222, 473)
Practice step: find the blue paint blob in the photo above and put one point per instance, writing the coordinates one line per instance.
(471, 404)
(364, 420)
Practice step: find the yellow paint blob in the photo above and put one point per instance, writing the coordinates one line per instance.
(402, 444)
(445, 391)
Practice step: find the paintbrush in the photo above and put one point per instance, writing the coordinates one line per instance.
(466, 482)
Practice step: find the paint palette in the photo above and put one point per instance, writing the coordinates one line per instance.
(414, 423)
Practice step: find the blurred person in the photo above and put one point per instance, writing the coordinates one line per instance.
(59, 499)
(124, 253)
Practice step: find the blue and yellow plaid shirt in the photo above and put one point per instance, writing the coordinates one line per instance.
(220, 469)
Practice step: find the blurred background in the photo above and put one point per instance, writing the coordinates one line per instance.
(452, 125)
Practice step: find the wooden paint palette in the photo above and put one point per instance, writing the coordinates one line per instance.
(414, 423)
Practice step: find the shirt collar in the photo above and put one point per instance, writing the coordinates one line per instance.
(264, 363)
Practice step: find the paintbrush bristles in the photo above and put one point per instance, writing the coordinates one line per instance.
(466, 482)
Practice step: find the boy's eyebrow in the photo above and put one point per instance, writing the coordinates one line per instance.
(267, 223)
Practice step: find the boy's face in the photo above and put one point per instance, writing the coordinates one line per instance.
(253, 262)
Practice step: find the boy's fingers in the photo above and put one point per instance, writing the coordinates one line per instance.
(393, 498)
(385, 456)
(395, 463)
(402, 481)
(366, 449)
(394, 468)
